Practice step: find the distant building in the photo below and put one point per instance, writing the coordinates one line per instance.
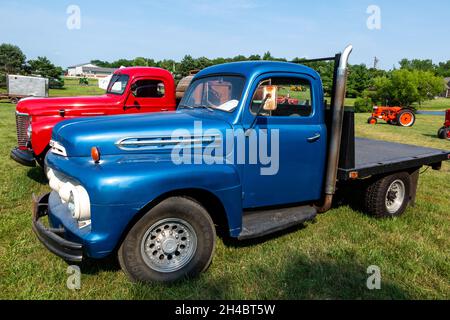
(447, 89)
(89, 70)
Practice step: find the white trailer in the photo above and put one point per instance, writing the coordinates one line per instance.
(19, 87)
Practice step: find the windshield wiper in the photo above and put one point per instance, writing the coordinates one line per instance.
(185, 106)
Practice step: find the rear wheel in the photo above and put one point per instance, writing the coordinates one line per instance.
(388, 196)
(173, 240)
(444, 133)
(15, 100)
(372, 120)
(406, 118)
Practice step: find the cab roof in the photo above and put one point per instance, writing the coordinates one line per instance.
(254, 68)
(144, 71)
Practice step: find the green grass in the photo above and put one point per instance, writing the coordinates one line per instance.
(438, 104)
(324, 260)
(72, 88)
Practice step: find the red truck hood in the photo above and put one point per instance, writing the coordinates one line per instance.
(73, 106)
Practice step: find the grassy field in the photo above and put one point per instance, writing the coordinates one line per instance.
(326, 259)
(438, 104)
(72, 88)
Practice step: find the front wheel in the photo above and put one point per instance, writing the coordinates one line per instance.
(388, 196)
(372, 120)
(172, 241)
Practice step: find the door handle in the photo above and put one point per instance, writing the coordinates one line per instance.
(314, 138)
(131, 107)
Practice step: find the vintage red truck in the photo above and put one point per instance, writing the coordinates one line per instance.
(131, 90)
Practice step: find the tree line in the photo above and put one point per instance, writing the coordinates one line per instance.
(14, 61)
(413, 82)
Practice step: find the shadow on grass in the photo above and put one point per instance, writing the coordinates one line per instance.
(95, 266)
(37, 174)
(432, 136)
(299, 278)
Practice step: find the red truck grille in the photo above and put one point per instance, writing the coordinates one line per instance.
(22, 123)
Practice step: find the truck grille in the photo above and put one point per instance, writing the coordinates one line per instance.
(22, 123)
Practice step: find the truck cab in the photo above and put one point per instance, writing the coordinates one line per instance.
(252, 149)
(131, 90)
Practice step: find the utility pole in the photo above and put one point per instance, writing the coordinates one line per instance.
(375, 62)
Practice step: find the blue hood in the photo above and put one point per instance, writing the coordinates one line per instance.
(118, 134)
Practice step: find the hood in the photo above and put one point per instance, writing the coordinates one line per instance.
(137, 133)
(73, 106)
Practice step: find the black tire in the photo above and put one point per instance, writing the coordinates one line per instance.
(392, 122)
(443, 133)
(137, 264)
(376, 196)
(15, 100)
(371, 119)
(403, 112)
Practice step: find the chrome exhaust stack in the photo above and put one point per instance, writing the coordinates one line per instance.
(336, 128)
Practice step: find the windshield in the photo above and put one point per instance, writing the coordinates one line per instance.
(216, 92)
(117, 84)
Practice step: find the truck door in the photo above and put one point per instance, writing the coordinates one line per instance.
(296, 170)
(146, 95)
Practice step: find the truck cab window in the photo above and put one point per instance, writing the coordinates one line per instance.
(293, 98)
(148, 89)
(214, 92)
(117, 84)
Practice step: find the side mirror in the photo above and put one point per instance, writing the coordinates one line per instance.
(270, 97)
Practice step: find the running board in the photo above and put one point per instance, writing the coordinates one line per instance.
(263, 222)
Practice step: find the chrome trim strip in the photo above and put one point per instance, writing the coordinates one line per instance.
(151, 142)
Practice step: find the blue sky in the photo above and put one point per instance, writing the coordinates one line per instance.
(170, 29)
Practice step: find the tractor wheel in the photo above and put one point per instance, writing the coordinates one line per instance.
(444, 133)
(406, 118)
(372, 120)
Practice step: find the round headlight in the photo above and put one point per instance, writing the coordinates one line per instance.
(78, 201)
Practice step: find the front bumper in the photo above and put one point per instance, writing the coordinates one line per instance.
(24, 157)
(52, 238)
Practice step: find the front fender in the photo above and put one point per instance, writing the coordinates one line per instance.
(121, 186)
(42, 127)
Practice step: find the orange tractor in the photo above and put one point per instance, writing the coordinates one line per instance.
(444, 132)
(393, 115)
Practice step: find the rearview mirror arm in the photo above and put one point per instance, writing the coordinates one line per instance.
(261, 106)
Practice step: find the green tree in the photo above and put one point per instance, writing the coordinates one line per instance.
(43, 67)
(186, 65)
(12, 59)
(404, 87)
(140, 62)
(417, 64)
(443, 69)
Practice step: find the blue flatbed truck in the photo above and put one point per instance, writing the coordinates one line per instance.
(118, 189)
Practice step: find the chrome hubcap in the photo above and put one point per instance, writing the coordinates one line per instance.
(395, 196)
(169, 245)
